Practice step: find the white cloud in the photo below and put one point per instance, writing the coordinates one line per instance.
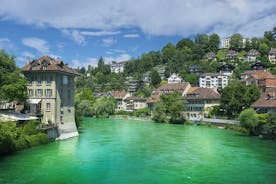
(108, 41)
(94, 61)
(131, 36)
(24, 57)
(36, 43)
(121, 57)
(154, 17)
(5, 43)
(75, 35)
(99, 33)
(88, 61)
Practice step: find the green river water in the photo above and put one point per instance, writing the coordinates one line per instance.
(124, 151)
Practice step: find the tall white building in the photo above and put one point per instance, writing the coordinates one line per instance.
(213, 80)
(225, 43)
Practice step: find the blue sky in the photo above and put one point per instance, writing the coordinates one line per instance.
(79, 32)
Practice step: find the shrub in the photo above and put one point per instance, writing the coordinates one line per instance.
(21, 143)
(249, 120)
(30, 128)
(142, 112)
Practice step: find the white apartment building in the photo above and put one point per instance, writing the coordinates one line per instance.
(117, 67)
(213, 80)
(225, 43)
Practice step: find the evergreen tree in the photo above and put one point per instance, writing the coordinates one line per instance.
(155, 78)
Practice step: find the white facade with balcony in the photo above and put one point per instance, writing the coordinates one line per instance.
(213, 80)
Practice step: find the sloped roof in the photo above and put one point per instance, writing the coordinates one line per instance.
(202, 93)
(46, 63)
(212, 74)
(119, 94)
(267, 99)
(173, 86)
(135, 98)
(272, 51)
(253, 52)
(262, 75)
(153, 98)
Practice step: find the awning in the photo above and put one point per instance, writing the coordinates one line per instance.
(34, 101)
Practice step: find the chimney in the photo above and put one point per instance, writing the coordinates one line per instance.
(28, 60)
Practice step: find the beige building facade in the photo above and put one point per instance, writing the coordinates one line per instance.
(51, 93)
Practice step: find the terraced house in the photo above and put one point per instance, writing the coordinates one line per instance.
(51, 93)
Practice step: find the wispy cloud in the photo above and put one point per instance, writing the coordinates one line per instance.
(172, 18)
(99, 33)
(36, 43)
(24, 57)
(84, 63)
(75, 35)
(107, 42)
(5, 43)
(131, 36)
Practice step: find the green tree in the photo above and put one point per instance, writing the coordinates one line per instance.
(264, 49)
(201, 46)
(236, 97)
(144, 91)
(159, 112)
(269, 129)
(255, 43)
(155, 78)
(12, 82)
(169, 109)
(104, 106)
(186, 42)
(214, 41)
(236, 42)
(8, 134)
(249, 120)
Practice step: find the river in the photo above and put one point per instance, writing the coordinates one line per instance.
(123, 151)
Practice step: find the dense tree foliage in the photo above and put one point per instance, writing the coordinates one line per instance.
(249, 120)
(12, 81)
(169, 109)
(13, 138)
(236, 97)
(155, 78)
(236, 42)
(104, 106)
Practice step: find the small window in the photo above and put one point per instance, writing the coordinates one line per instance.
(65, 80)
(49, 79)
(48, 92)
(30, 92)
(39, 81)
(39, 92)
(48, 106)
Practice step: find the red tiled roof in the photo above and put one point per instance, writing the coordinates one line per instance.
(46, 63)
(202, 93)
(153, 99)
(267, 99)
(262, 75)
